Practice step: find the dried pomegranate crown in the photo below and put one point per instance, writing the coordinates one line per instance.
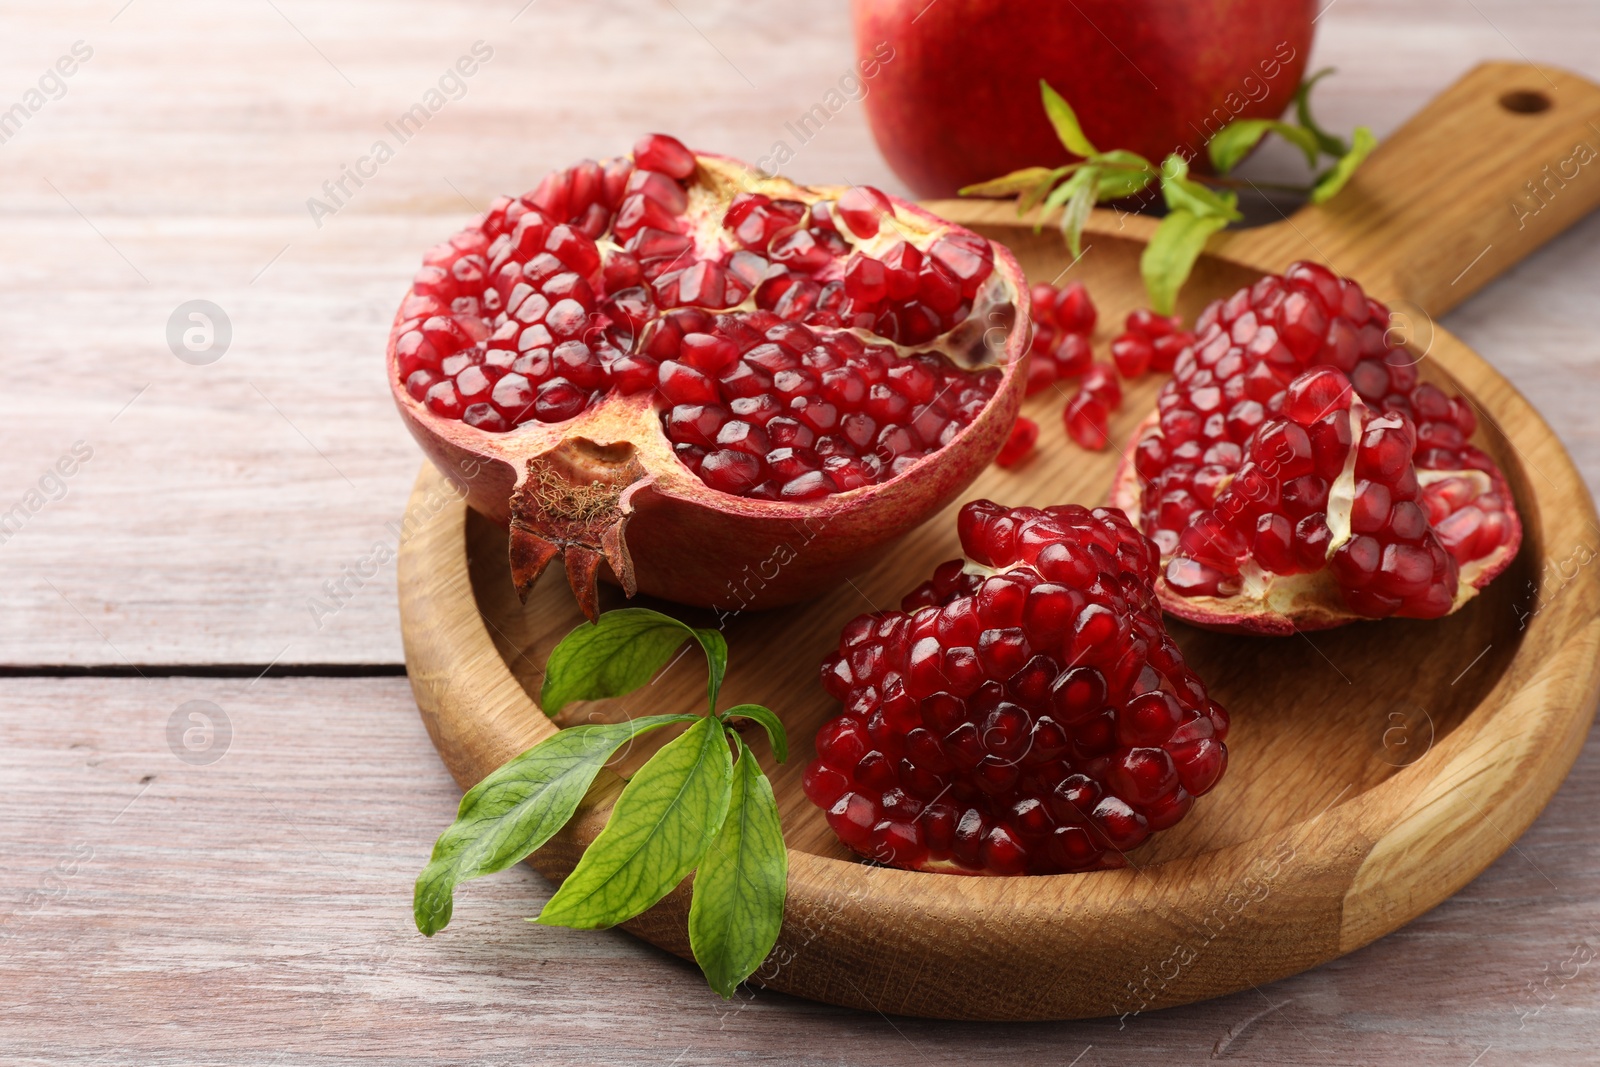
(1296, 474)
(1025, 713)
(670, 341)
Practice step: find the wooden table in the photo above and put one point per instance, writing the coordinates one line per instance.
(255, 909)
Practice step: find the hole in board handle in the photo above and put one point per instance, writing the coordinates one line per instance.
(1525, 101)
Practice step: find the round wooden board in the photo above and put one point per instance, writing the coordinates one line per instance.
(1374, 769)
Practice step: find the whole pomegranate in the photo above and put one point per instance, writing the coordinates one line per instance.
(1297, 475)
(1025, 711)
(726, 389)
(957, 102)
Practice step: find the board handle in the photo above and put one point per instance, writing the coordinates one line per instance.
(1492, 168)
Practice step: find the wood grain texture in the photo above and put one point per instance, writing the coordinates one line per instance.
(1250, 887)
(208, 520)
(257, 912)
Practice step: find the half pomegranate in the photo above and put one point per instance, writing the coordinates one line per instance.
(1297, 475)
(720, 387)
(1024, 713)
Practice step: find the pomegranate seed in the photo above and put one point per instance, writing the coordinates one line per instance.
(1085, 419)
(1132, 354)
(1023, 434)
(1072, 355)
(667, 155)
(863, 210)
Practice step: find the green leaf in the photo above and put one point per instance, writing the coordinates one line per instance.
(1061, 194)
(1235, 140)
(1078, 208)
(1007, 184)
(1330, 145)
(1329, 184)
(1065, 121)
(1123, 173)
(1030, 199)
(1078, 193)
(737, 908)
(618, 653)
(767, 718)
(1183, 193)
(517, 808)
(1170, 255)
(658, 832)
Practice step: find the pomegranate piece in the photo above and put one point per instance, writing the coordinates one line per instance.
(612, 356)
(1025, 712)
(1296, 475)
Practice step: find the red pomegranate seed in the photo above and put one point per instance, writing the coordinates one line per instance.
(1132, 354)
(864, 209)
(1074, 311)
(659, 152)
(1085, 419)
(1023, 434)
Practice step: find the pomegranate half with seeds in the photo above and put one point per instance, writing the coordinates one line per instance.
(1297, 475)
(726, 389)
(1024, 713)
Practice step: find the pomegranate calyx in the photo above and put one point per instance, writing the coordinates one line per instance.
(575, 503)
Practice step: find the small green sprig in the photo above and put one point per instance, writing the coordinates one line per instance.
(691, 807)
(1195, 210)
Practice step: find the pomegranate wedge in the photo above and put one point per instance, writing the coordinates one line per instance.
(1297, 475)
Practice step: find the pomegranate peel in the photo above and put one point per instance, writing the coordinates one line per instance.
(1296, 475)
(722, 389)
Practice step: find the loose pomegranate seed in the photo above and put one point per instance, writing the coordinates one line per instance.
(1034, 721)
(1086, 421)
(1132, 355)
(1019, 444)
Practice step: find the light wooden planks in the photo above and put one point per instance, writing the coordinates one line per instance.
(192, 139)
(219, 503)
(256, 912)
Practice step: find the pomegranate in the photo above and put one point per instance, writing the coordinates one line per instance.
(1296, 474)
(1025, 711)
(957, 99)
(724, 389)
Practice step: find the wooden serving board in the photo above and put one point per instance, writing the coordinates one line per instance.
(1374, 769)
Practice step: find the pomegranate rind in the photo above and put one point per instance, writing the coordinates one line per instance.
(683, 541)
(1294, 603)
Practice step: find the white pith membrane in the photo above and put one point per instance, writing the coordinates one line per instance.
(1313, 600)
